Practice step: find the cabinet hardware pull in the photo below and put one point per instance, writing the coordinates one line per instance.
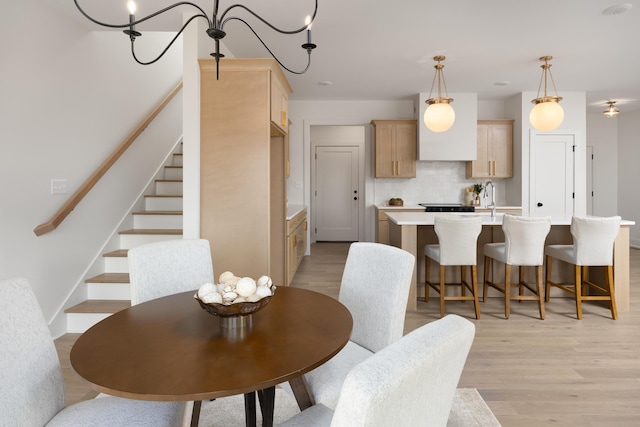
(295, 240)
(283, 118)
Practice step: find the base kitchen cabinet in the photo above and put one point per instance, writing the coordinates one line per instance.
(382, 226)
(296, 243)
(495, 150)
(396, 148)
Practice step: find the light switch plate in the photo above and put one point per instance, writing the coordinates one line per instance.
(58, 186)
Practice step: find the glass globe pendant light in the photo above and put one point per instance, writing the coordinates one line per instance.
(547, 114)
(439, 115)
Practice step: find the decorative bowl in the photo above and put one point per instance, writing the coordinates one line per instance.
(234, 310)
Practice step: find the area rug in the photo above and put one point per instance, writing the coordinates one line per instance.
(468, 410)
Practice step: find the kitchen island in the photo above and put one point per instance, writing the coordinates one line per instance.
(412, 230)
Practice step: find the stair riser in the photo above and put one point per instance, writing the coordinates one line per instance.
(116, 265)
(163, 203)
(128, 241)
(109, 291)
(162, 222)
(168, 187)
(172, 173)
(177, 160)
(78, 323)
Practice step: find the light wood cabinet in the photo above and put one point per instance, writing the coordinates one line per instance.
(395, 148)
(242, 170)
(382, 228)
(280, 105)
(296, 243)
(495, 150)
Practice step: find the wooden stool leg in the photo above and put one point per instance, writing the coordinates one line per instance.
(612, 292)
(485, 288)
(507, 290)
(578, 290)
(540, 291)
(474, 285)
(442, 291)
(548, 277)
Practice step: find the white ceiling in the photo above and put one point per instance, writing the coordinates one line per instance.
(374, 50)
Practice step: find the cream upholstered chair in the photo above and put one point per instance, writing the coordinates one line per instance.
(375, 288)
(593, 239)
(32, 387)
(169, 267)
(523, 247)
(412, 382)
(457, 246)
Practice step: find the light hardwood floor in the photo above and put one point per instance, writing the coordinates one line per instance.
(531, 372)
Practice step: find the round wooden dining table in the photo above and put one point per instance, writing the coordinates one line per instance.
(170, 349)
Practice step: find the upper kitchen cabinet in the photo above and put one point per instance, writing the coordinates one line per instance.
(280, 91)
(242, 168)
(495, 150)
(395, 148)
(459, 142)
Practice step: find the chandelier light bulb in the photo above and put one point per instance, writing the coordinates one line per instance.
(132, 7)
(439, 117)
(611, 110)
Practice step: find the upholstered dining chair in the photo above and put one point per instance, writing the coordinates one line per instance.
(32, 387)
(523, 247)
(593, 240)
(164, 268)
(375, 288)
(457, 246)
(411, 382)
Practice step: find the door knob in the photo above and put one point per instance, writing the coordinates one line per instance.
(539, 204)
(355, 198)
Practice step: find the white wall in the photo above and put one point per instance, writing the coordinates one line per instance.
(602, 135)
(69, 96)
(628, 171)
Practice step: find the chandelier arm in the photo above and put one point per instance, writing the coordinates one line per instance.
(433, 83)
(273, 27)
(270, 51)
(129, 24)
(168, 46)
(540, 86)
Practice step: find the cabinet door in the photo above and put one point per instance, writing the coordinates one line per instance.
(405, 150)
(279, 105)
(501, 151)
(385, 151)
(481, 167)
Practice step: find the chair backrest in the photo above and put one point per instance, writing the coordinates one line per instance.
(165, 268)
(593, 239)
(524, 239)
(375, 288)
(458, 238)
(31, 382)
(411, 382)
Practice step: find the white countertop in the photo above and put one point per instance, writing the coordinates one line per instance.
(293, 210)
(426, 218)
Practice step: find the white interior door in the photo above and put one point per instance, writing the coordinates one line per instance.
(337, 193)
(552, 175)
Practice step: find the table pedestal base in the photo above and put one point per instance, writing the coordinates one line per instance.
(237, 327)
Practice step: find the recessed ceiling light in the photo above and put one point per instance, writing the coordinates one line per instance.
(617, 9)
(325, 83)
(503, 83)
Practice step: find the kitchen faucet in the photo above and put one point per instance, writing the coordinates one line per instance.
(493, 197)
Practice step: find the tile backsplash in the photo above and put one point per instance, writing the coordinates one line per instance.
(435, 182)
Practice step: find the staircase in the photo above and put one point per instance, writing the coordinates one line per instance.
(161, 219)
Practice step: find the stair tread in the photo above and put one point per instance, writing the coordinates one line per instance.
(99, 306)
(109, 278)
(168, 180)
(170, 231)
(163, 195)
(117, 253)
(174, 167)
(158, 212)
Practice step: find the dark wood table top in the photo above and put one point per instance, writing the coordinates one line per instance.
(170, 349)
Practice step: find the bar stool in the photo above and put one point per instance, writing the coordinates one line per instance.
(458, 239)
(523, 247)
(593, 240)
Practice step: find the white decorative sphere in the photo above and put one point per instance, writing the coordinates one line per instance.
(246, 286)
(546, 116)
(211, 298)
(264, 281)
(439, 117)
(207, 288)
(226, 276)
(263, 291)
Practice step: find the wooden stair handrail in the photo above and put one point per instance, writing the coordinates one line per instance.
(75, 199)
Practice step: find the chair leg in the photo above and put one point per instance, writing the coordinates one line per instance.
(427, 270)
(612, 292)
(521, 271)
(442, 291)
(548, 277)
(463, 280)
(485, 288)
(474, 285)
(578, 290)
(540, 288)
(507, 290)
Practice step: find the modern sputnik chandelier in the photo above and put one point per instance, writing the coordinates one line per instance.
(547, 114)
(439, 115)
(216, 24)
